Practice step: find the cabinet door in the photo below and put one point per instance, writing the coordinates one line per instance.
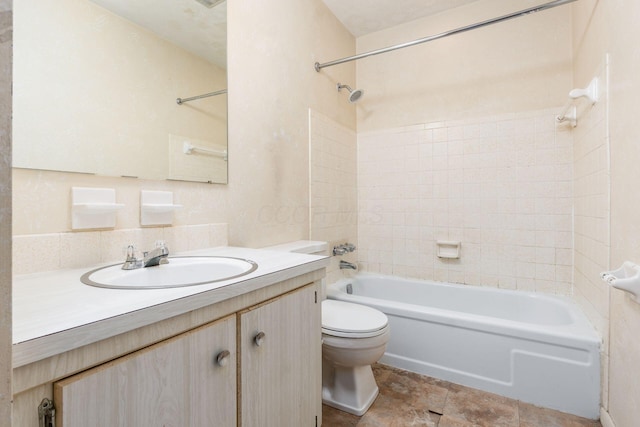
(175, 383)
(280, 369)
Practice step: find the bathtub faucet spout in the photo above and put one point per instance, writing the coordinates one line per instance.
(347, 265)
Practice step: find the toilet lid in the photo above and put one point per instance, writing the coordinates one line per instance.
(347, 318)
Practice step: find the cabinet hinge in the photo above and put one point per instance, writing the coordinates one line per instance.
(315, 299)
(47, 413)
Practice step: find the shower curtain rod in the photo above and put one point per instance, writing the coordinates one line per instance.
(319, 66)
(206, 95)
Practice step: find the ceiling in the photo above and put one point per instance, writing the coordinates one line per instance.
(361, 17)
(186, 23)
(202, 30)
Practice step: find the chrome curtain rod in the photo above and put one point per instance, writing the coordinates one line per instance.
(319, 66)
(206, 95)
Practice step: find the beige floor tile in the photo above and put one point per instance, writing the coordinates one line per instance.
(412, 390)
(533, 416)
(447, 421)
(391, 411)
(481, 408)
(332, 417)
(407, 399)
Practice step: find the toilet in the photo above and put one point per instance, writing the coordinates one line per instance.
(354, 337)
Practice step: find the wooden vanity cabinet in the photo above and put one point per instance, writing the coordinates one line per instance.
(280, 362)
(270, 375)
(189, 380)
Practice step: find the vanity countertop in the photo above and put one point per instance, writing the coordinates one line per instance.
(54, 312)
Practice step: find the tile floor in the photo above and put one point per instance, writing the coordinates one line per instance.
(408, 399)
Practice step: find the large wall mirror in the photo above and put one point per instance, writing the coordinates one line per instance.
(96, 84)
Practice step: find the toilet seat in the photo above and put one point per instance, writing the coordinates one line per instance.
(345, 319)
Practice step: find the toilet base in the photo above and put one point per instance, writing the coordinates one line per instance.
(351, 390)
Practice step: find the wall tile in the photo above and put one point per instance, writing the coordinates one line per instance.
(83, 249)
(491, 183)
(333, 200)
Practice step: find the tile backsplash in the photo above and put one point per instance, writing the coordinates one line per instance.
(45, 252)
(502, 186)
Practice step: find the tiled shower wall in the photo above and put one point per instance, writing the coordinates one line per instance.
(592, 208)
(502, 186)
(333, 192)
(592, 216)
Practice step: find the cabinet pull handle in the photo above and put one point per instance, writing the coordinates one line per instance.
(259, 338)
(223, 358)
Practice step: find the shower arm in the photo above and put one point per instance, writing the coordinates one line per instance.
(319, 66)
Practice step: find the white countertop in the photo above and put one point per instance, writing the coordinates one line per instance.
(55, 312)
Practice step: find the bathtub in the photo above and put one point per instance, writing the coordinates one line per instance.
(536, 348)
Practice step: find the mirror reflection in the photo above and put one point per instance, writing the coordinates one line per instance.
(97, 83)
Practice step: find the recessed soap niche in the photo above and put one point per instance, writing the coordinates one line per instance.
(448, 249)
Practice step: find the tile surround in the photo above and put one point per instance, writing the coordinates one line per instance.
(592, 207)
(45, 252)
(333, 187)
(500, 185)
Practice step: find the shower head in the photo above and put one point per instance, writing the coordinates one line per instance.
(354, 95)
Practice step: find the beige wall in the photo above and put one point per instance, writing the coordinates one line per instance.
(515, 66)
(5, 211)
(603, 27)
(272, 83)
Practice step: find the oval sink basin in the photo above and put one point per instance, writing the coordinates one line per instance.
(179, 272)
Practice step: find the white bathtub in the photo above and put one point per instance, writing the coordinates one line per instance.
(536, 348)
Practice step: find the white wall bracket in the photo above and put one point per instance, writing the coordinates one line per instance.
(93, 208)
(569, 112)
(157, 208)
(626, 278)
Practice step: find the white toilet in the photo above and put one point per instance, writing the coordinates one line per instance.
(354, 337)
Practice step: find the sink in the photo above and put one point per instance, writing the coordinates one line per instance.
(179, 272)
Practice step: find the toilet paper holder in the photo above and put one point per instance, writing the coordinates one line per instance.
(626, 278)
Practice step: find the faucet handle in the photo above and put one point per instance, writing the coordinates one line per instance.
(339, 250)
(131, 252)
(131, 262)
(161, 246)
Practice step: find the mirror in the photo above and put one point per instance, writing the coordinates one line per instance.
(96, 84)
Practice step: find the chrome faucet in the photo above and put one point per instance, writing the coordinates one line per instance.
(347, 265)
(159, 255)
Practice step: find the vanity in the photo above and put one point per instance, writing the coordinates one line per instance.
(239, 352)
